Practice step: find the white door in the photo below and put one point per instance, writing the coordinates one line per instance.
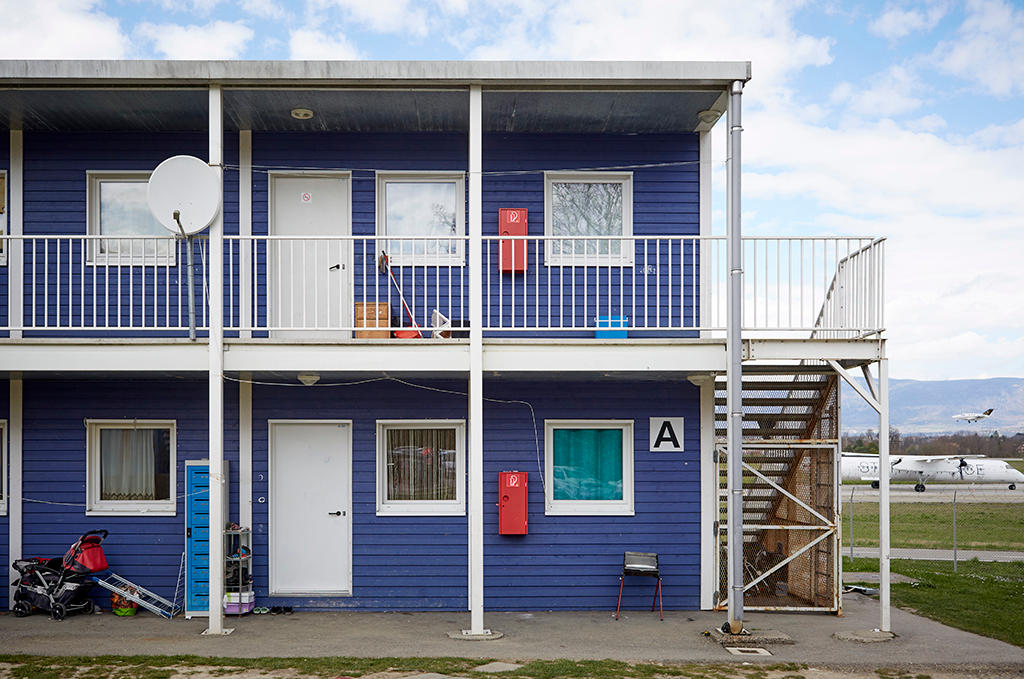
(308, 278)
(310, 508)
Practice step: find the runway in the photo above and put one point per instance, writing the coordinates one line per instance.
(938, 492)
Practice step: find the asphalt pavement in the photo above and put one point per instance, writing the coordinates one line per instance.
(921, 644)
(936, 492)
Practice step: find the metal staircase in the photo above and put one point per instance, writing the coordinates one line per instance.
(790, 486)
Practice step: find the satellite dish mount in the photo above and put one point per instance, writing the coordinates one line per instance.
(184, 195)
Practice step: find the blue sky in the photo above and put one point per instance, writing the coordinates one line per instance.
(902, 119)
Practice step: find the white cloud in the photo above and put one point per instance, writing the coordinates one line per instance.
(381, 16)
(995, 136)
(215, 40)
(929, 123)
(316, 45)
(266, 9)
(60, 29)
(895, 23)
(890, 93)
(989, 48)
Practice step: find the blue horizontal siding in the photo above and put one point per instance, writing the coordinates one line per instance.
(144, 549)
(399, 562)
(55, 193)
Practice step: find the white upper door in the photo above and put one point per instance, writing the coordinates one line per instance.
(310, 508)
(308, 276)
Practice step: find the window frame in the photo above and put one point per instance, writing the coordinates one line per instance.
(456, 507)
(457, 258)
(94, 506)
(92, 202)
(625, 257)
(3, 467)
(623, 507)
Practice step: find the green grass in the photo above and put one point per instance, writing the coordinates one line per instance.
(982, 597)
(930, 525)
(1017, 464)
(164, 667)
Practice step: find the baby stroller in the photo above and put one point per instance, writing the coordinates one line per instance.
(60, 585)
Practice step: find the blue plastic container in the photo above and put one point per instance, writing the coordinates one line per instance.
(616, 327)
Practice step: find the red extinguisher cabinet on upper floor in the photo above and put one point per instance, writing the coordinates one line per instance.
(512, 222)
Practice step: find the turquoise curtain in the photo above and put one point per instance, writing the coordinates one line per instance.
(587, 464)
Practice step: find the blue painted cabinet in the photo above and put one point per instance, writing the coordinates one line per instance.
(197, 536)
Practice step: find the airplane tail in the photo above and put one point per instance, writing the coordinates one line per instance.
(989, 411)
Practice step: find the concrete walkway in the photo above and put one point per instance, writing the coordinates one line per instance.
(936, 554)
(637, 636)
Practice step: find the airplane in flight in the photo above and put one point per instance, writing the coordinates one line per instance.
(972, 417)
(938, 468)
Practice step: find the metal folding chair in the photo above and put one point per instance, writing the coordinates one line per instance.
(643, 564)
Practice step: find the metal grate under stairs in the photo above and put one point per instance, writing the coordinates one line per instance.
(780, 403)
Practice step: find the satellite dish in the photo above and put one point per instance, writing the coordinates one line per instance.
(184, 194)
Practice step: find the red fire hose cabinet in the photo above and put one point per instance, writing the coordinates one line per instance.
(512, 503)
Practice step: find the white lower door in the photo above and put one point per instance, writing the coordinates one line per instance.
(311, 508)
(309, 275)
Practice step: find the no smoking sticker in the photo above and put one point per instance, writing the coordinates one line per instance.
(306, 197)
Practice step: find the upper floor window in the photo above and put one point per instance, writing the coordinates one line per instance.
(588, 218)
(422, 216)
(420, 467)
(119, 210)
(131, 466)
(3, 216)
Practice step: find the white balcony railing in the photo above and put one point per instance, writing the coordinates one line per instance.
(330, 287)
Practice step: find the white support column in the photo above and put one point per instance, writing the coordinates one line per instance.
(16, 227)
(14, 465)
(476, 376)
(245, 452)
(215, 278)
(704, 189)
(708, 491)
(245, 233)
(883, 492)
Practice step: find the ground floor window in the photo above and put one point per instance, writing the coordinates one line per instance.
(588, 467)
(3, 467)
(131, 466)
(420, 467)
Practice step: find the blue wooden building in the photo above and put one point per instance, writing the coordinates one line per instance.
(421, 275)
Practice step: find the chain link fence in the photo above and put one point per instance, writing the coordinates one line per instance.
(962, 529)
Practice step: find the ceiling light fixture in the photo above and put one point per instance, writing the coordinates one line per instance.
(302, 113)
(309, 379)
(709, 117)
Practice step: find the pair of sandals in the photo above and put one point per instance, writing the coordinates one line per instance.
(273, 610)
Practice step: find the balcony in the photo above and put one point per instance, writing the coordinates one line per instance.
(339, 289)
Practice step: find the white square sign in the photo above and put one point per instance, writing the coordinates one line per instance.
(666, 435)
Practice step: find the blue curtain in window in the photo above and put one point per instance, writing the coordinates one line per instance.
(587, 464)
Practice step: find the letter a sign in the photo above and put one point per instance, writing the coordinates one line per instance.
(666, 434)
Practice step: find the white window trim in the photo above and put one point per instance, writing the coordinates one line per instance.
(3, 220)
(3, 467)
(96, 507)
(623, 507)
(458, 258)
(625, 257)
(456, 507)
(92, 203)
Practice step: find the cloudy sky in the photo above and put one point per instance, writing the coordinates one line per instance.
(901, 119)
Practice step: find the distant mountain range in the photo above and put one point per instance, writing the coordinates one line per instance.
(919, 406)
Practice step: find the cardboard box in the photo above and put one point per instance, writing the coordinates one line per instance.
(372, 315)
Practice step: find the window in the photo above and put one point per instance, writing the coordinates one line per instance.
(421, 467)
(423, 217)
(131, 467)
(588, 467)
(3, 467)
(595, 205)
(118, 208)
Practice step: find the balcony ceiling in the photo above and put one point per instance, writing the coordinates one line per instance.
(357, 110)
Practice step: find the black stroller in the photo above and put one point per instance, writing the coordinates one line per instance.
(60, 585)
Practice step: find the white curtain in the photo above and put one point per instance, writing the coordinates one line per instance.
(128, 464)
